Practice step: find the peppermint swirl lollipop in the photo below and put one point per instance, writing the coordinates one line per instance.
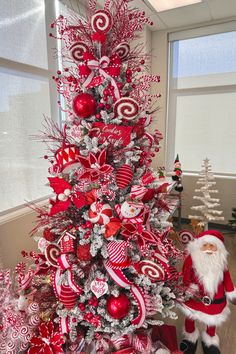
(151, 269)
(186, 236)
(101, 21)
(122, 50)
(126, 107)
(52, 252)
(77, 51)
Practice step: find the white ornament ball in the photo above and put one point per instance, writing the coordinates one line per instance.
(62, 197)
(34, 320)
(67, 192)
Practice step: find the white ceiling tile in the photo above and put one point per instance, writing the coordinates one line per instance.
(186, 16)
(222, 9)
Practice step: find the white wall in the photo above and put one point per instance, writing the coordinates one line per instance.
(226, 187)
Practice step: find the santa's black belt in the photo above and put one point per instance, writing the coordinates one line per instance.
(207, 301)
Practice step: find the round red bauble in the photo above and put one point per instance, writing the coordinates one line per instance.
(83, 252)
(49, 235)
(118, 307)
(84, 105)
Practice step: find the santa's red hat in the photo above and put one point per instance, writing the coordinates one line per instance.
(205, 235)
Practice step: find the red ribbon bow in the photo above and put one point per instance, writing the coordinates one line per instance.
(107, 68)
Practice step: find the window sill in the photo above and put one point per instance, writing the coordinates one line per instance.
(21, 211)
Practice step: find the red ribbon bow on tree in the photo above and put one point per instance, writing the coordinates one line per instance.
(65, 196)
(94, 165)
(107, 68)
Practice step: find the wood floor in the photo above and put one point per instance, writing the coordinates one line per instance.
(227, 332)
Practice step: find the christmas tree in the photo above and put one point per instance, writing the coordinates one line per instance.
(207, 209)
(105, 264)
(232, 222)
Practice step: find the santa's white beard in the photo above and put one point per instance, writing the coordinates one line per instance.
(210, 268)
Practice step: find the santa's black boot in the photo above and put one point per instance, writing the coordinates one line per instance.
(189, 342)
(210, 345)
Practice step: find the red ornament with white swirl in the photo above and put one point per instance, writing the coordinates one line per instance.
(186, 236)
(52, 252)
(101, 21)
(14, 335)
(33, 308)
(126, 107)
(122, 50)
(34, 320)
(124, 176)
(100, 213)
(152, 270)
(77, 51)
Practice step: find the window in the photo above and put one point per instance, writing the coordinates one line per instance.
(24, 99)
(202, 98)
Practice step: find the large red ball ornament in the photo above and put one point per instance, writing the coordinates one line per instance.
(84, 105)
(118, 307)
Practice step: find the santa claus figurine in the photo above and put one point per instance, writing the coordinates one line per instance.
(209, 285)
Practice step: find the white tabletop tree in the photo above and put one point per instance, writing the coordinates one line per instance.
(208, 207)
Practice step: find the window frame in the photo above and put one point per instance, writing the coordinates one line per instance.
(51, 12)
(173, 93)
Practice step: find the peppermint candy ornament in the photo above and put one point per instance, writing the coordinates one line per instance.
(152, 270)
(34, 320)
(126, 107)
(122, 50)
(100, 213)
(124, 176)
(101, 21)
(33, 308)
(52, 252)
(77, 51)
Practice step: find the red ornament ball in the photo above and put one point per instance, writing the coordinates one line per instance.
(84, 105)
(118, 307)
(49, 235)
(83, 252)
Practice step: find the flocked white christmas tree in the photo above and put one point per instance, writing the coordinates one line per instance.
(207, 208)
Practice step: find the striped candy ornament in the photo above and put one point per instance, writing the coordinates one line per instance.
(124, 176)
(67, 297)
(100, 213)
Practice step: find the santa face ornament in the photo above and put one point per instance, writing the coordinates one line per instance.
(130, 210)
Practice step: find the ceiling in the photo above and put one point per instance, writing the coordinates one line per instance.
(206, 11)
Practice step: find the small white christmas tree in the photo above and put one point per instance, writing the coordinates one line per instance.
(207, 209)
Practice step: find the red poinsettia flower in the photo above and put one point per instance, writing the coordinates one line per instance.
(94, 165)
(48, 342)
(65, 196)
